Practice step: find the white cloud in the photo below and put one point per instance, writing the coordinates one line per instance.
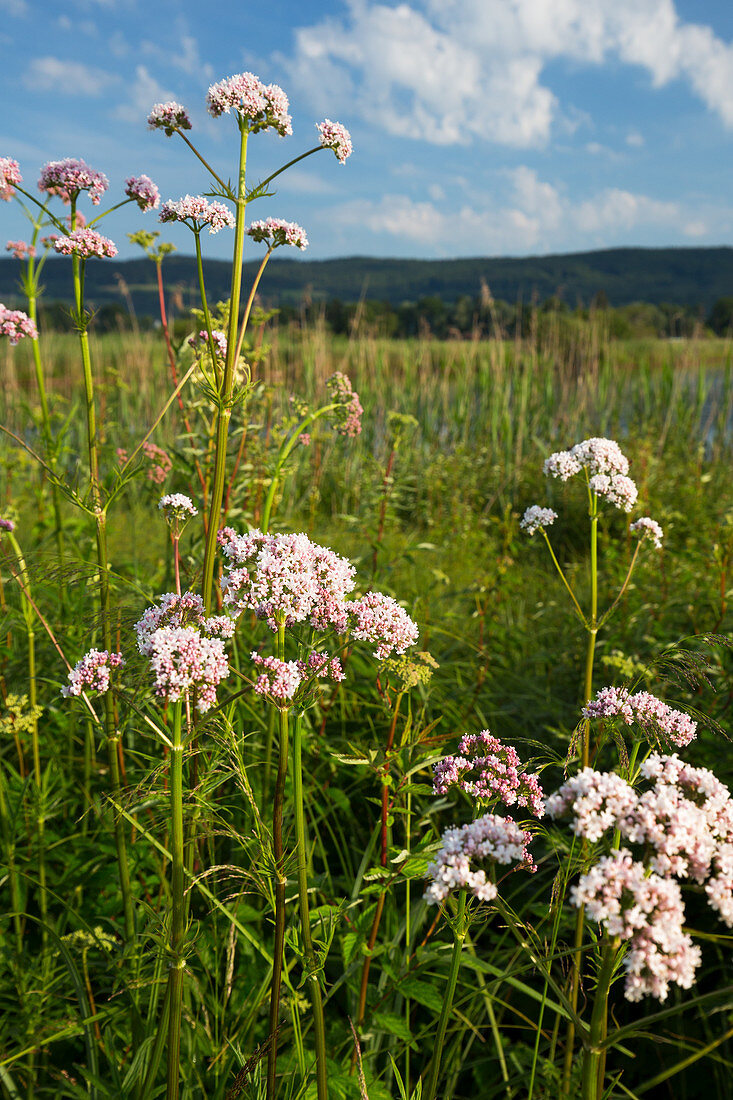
(182, 55)
(51, 74)
(451, 71)
(535, 216)
(635, 140)
(15, 7)
(144, 92)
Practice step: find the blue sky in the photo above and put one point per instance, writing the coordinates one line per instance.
(480, 127)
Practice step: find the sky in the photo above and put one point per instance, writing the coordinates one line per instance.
(480, 127)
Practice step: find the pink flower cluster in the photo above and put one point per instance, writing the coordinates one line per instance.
(160, 463)
(350, 411)
(67, 178)
(177, 506)
(596, 455)
(648, 528)
(277, 232)
(185, 649)
(335, 136)
(265, 106)
(380, 620)
(616, 489)
(484, 842)
(9, 177)
(85, 243)
(6, 525)
(486, 768)
(535, 518)
(199, 341)
(290, 579)
(682, 825)
(594, 801)
(21, 250)
(280, 680)
(169, 117)
(195, 211)
(646, 710)
(644, 910)
(143, 191)
(287, 577)
(92, 673)
(15, 325)
(185, 660)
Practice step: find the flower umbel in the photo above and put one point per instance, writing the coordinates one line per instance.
(195, 211)
(86, 243)
(93, 672)
(68, 178)
(16, 325)
(169, 117)
(335, 136)
(487, 841)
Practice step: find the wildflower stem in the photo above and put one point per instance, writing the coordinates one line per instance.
(290, 164)
(564, 579)
(9, 842)
(100, 517)
(225, 411)
(28, 615)
(312, 978)
(459, 935)
(250, 300)
(205, 306)
(282, 456)
(178, 911)
(280, 881)
(205, 163)
(594, 1056)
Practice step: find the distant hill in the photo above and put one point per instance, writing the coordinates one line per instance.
(684, 276)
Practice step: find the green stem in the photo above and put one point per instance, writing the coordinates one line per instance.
(224, 411)
(28, 615)
(7, 833)
(280, 883)
(178, 912)
(302, 156)
(459, 935)
(205, 163)
(314, 986)
(205, 306)
(100, 517)
(564, 579)
(592, 628)
(250, 301)
(282, 456)
(593, 1059)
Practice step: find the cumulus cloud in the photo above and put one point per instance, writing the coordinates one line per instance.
(534, 216)
(145, 91)
(454, 71)
(52, 74)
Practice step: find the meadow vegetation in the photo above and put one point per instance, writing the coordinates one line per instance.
(229, 874)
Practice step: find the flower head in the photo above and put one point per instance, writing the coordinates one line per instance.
(7, 525)
(195, 211)
(185, 660)
(616, 489)
(68, 178)
(199, 341)
(276, 232)
(15, 325)
(286, 577)
(350, 411)
(279, 680)
(536, 518)
(143, 191)
(484, 842)
(648, 528)
(93, 672)
(86, 243)
(380, 620)
(178, 509)
(169, 117)
(594, 801)
(335, 136)
(263, 106)
(487, 769)
(172, 610)
(646, 710)
(646, 911)
(21, 250)
(596, 455)
(9, 176)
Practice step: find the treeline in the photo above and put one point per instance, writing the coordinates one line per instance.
(467, 318)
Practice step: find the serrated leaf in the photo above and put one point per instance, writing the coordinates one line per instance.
(422, 992)
(395, 1025)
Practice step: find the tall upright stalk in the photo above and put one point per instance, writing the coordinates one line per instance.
(280, 880)
(178, 910)
(29, 618)
(312, 979)
(224, 411)
(593, 1058)
(592, 629)
(100, 519)
(460, 929)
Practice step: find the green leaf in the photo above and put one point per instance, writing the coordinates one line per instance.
(422, 992)
(395, 1025)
